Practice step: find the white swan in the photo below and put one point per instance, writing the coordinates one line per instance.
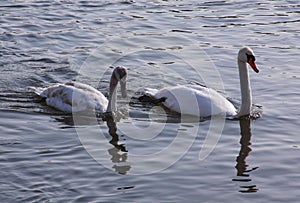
(75, 97)
(195, 99)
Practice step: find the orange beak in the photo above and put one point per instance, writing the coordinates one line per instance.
(253, 65)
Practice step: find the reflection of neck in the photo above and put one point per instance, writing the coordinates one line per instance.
(241, 165)
(112, 129)
(116, 157)
(112, 98)
(245, 132)
(111, 124)
(245, 89)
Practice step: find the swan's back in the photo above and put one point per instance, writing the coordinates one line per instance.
(74, 97)
(194, 100)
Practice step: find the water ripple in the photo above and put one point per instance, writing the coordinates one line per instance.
(46, 42)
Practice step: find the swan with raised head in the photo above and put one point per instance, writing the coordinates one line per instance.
(202, 101)
(75, 97)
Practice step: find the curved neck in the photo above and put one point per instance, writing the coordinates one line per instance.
(245, 90)
(112, 98)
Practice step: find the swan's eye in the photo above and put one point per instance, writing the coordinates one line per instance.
(250, 57)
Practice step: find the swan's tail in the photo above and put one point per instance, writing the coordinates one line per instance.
(150, 92)
(149, 96)
(38, 91)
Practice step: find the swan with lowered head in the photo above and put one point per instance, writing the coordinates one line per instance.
(75, 97)
(209, 102)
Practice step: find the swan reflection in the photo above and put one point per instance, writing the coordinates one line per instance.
(118, 152)
(106, 148)
(241, 165)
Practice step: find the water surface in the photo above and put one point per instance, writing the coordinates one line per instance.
(44, 159)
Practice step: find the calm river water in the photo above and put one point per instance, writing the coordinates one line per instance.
(148, 155)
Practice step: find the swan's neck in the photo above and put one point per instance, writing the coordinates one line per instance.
(112, 98)
(245, 90)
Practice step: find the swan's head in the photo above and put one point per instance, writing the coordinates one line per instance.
(120, 73)
(246, 55)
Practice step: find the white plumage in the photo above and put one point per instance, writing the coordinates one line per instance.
(193, 100)
(201, 101)
(75, 97)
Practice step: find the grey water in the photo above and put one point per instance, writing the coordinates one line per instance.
(148, 154)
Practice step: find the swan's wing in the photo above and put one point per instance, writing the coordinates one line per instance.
(180, 99)
(195, 101)
(93, 97)
(65, 98)
(85, 98)
(46, 92)
(83, 87)
(58, 103)
(97, 101)
(219, 104)
(73, 97)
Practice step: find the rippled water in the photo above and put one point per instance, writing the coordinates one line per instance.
(45, 158)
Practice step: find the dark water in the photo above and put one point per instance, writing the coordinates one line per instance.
(46, 157)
